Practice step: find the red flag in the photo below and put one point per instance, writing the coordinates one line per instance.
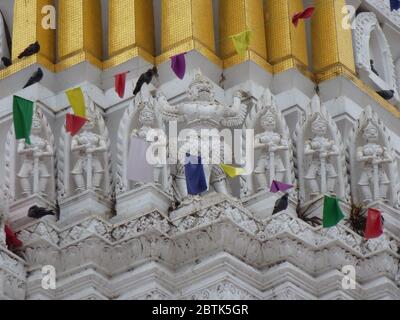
(120, 80)
(74, 123)
(374, 225)
(11, 239)
(307, 13)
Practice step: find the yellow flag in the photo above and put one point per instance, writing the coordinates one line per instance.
(232, 172)
(77, 102)
(241, 41)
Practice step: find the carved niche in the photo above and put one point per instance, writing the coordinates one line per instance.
(319, 155)
(142, 115)
(374, 60)
(373, 173)
(30, 169)
(273, 150)
(84, 161)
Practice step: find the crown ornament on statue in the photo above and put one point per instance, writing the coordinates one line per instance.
(36, 120)
(369, 120)
(146, 114)
(318, 113)
(270, 112)
(319, 119)
(368, 126)
(91, 113)
(201, 88)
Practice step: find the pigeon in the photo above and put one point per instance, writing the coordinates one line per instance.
(31, 50)
(386, 94)
(7, 32)
(146, 77)
(6, 62)
(281, 204)
(373, 67)
(37, 213)
(36, 77)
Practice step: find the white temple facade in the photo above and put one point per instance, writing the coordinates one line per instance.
(306, 107)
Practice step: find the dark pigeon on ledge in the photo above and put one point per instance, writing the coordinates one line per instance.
(146, 77)
(6, 62)
(281, 204)
(36, 77)
(36, 212)
(386, 94)
(30, 50)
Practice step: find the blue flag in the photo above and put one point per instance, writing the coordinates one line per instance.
(394, 5)
(195, 178)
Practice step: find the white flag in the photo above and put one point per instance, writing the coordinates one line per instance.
(138, 168)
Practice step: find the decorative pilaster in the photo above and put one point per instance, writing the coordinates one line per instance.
(187, 25)
(80, 37)
(236, 16)
(332, 45)
(286, 44)
(130, 34)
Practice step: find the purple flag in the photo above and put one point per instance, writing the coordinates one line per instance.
(138, 168)
(394, 5)
(178, 65)
(277, 186)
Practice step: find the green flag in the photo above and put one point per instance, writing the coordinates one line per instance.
(241, 42)
(332, 212)
(22, 115)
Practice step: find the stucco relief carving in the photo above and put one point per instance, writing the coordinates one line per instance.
(384, 8)
(320, 155)
(84, 161)
(203, 111)
(30, 169)
(273, 159)
(373, 173)
(142, 116)
(222, 291)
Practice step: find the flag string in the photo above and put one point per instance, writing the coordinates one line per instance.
(98, 82)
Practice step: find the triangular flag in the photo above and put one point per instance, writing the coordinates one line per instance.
(279, 186)
(22, 116)
(307, 13)
(11, 239)
(77, 101)
(178, 65)
(241, 42)
(138, 168)
(232, 172)
(195, 177)
(374, 225)
(394, 5)
(281, 204)
(74, 124)
(120, 80)
(332, 213)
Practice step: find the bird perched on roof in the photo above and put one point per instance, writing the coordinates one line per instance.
(36, 77)
(36, 212)
(386, 94)
(146, 77)
(30, 50)
(6, 62)
(281, 204)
